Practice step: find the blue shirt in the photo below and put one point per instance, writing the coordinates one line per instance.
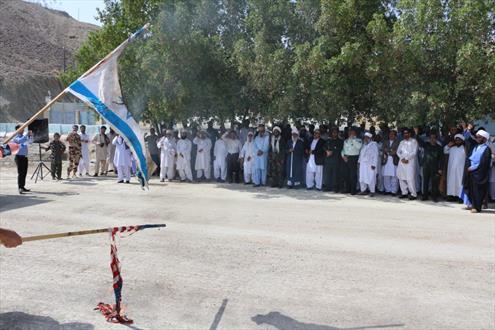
(23, 141)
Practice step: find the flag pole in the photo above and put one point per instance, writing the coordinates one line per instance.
(80, 233)
(62, 93)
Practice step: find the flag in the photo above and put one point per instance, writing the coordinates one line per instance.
(112, 313)
(8, 149)
(100, 87)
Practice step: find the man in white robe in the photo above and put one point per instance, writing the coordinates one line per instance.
(389, 169)
(314, 168)
(455, 167)
(184, 147)
(122, 159)
(203, 158)
(247, 157)
(406, 170)
(84, 162)
(368, 163)
(167, 146)
(110, 166)
(220, 160)
(261, 147)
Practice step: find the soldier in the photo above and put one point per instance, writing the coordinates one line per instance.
(74, 141)
(58, 148)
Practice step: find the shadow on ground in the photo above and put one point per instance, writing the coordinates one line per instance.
(283, 322)
(12, 202)
(23, 321)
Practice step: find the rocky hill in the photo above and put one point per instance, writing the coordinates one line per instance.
(33, 40)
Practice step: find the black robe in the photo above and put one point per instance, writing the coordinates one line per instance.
(475, 183)
(294, 161)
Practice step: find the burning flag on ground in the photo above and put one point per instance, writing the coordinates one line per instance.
(100, 87)
(113, 312)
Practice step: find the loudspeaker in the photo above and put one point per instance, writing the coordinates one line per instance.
(40, 130)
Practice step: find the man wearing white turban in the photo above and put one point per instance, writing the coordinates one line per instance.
(455, 166)
(184, 146)
(368, 163)
(478, 171)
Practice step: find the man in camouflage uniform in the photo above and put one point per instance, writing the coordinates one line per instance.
(75, 154)
(58, 148)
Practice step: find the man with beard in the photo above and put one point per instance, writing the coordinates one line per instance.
(314, 168)
(247, 157)
(184, 146)
(295, 159)
(277, 158)
(233, 149)
(368, 163)
(455, 167)
(84, 161)
(389, 163)
(478, 171)
(350, 155)
(406, 171)
(167, 156)
(261, 146)
(331, 169)
(432, 167)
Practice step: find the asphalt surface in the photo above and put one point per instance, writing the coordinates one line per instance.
(236, 257)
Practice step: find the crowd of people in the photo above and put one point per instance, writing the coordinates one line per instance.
(456, 165)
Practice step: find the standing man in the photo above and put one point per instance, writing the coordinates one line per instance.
(350, 156)
(432, 167)
(84, 162)
(122, 159)
(389, 163)
(233, 149)
(152, 144)
(167, 158)
(406, 170)
(75, 144)
(277, 158)
(247, 157)
(295, 159)
(220, 160)
(478, 171)
(261, 146)
(21, 158)
(455, 166)
(203, 158)
(101, 142)
(58, 148)
(331, 169)
(368, 163)
(314, 169)
(111, 152)
(184, 146)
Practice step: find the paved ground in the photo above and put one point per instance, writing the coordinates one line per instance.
(234, 257)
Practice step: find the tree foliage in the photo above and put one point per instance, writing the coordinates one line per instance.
(402, 61)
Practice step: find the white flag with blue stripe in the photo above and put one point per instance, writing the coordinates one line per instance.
(100, 87)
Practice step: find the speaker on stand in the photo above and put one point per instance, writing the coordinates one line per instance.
(39, 127)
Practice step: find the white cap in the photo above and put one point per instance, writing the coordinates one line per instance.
(484, 134)
(368, 134)
(459, 136)
(295, 130)
(276, 128)
(250, 133)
